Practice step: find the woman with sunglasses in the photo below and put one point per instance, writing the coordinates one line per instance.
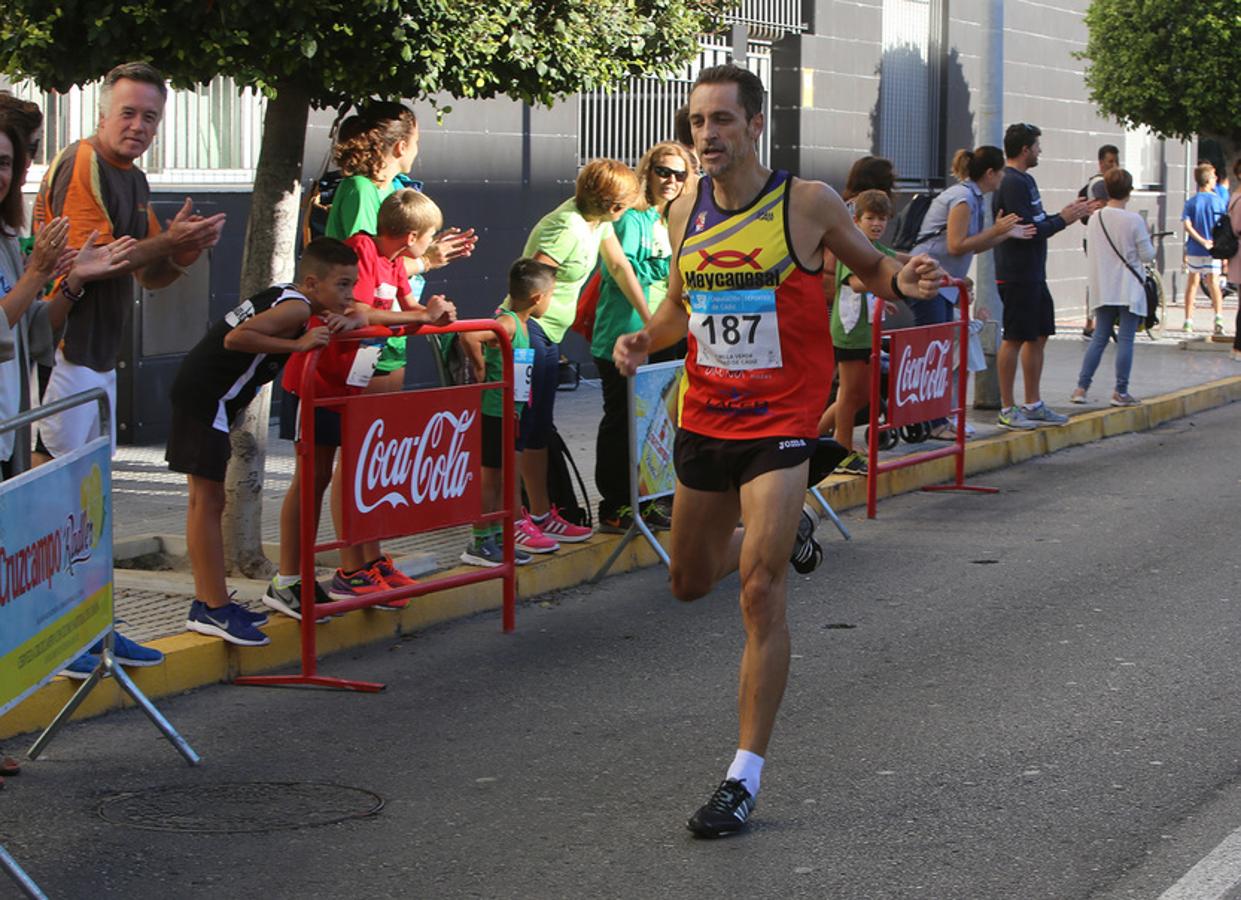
(572, 238)
(663, 173)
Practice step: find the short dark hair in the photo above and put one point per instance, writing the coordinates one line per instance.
(870, 173)
(1018, 136)
(12, 207)
(681, 129)
(750, 91)
(1119, 183)
(133, 71)
(324, 253)
(1108, 150)
(528, 277)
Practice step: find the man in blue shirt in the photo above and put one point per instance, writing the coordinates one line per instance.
(1021, 275)
(1201, 212)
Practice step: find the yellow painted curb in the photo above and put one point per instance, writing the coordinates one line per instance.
(193, 660)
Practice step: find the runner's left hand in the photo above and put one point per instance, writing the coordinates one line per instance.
(921, 277)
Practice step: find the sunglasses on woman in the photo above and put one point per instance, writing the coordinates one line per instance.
(665, 172)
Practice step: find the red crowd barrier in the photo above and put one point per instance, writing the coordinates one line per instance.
(410, 462)
(919, 378)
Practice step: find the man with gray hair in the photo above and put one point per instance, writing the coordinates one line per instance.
(95, 183)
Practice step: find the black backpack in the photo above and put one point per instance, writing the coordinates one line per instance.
(908, 230)
(565, 489)
(1223, 237)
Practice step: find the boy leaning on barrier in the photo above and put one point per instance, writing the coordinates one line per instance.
(530, 286)
(218, 379)
(851, 333)
(407, 222)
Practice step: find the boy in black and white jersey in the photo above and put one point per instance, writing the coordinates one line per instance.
(218, 379)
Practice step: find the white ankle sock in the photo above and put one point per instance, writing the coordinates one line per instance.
(286, 581)
(747, 767)
(1031, 407)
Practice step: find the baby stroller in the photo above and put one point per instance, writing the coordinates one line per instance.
(912, 434)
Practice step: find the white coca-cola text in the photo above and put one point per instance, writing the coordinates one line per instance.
(925, 378)
(428, 468)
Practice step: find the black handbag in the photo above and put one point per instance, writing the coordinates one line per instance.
(1149, 284)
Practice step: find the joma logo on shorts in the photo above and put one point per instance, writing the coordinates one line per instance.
(796, 443)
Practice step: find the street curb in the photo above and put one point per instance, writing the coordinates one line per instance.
(193, 660)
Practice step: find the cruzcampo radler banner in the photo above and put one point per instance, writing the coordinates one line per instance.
(55, 567)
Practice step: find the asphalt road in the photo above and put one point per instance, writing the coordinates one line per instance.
(1026, 695)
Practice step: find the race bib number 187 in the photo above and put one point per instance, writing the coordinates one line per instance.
(736, 330)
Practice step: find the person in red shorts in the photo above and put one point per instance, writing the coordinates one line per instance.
(746, 285)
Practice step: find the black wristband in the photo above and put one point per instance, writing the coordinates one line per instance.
(896, 289)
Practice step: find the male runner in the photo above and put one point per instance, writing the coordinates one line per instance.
(748, 252)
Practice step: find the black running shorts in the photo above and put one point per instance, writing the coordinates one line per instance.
(196, 448)
(712, 464)
(1029, 311)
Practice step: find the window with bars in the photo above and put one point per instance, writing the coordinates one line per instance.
(622, 123)
(909, 128)
(209, 136)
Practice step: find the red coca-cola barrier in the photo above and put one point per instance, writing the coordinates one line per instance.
(919, 380)
(410, 462)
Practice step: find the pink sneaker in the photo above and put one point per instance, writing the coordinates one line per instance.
(556, 526)
(530, 537)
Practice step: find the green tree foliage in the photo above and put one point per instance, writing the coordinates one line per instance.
(1166, 64)
(304, 53)
(337, 50)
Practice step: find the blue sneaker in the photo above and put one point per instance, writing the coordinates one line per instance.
(82, 667)
(130, 653)
(226, 622)
(253, 616)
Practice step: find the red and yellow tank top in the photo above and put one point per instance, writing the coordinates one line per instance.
(760, 361)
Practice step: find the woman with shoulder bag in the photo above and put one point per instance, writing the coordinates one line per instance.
(1119, 247)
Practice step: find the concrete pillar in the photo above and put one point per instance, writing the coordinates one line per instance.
(990, 130)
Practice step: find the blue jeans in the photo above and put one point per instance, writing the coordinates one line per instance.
(1105, 317)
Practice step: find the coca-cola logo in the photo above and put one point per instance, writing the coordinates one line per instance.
(926, 377)
(399, 471)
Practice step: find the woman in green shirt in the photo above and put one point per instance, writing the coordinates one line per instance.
(571, 239)
(643, 235)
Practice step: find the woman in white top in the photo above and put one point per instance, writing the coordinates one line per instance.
(1119, 245)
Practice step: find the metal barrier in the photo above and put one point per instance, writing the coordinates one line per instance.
(395, 481)
(68, 560)
(918, 390)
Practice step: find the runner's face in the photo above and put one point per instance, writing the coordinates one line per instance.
(129, 125)
(6, 165)
(723, 137)
(872, 225)
(667, 178)
(1109, 162)
(1032, 154)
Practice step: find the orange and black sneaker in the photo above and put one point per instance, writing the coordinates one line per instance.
(394, 578)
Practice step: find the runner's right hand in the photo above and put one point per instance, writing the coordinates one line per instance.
(314, 338)
(631, 351)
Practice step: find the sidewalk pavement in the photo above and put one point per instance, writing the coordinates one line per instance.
(149, 501)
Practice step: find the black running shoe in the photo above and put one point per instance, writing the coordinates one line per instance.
(807, 554)
(725, 813)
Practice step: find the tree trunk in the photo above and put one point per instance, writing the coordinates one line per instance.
(269, 258)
